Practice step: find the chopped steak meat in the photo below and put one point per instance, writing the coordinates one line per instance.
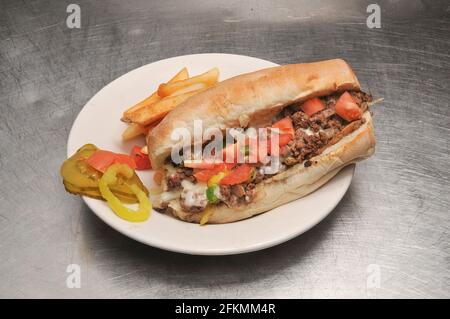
(238, 190)
(191, 209)
(350, 128)
(174, 179)
(300, 119)
(312, 134)
(303, 146)
(237, 194)
(225, 191)
(259, 176)
(327, 126)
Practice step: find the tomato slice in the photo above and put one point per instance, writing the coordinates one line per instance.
(238, 175)
(205, 175)
(313, 106)
(124, 159)
(285, 126)
(101, 160)
(347, 108)
(142, 161)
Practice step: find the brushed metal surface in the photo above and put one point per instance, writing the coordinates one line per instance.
(395, 214)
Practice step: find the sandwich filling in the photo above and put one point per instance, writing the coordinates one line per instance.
(304, 131)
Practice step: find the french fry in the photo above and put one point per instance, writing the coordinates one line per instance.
(180, 76)
(133, 130)
(183, 74)
(190, 88)
(209, 78)
(157, 111)
(145, 115)
(148, 101)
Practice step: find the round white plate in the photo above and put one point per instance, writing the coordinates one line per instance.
(98, 123)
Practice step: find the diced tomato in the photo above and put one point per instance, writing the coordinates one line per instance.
(286, 134)
(101, 160)
(347, 108)
(142, 161)
(238, 175)
(125, 159)
(284, 139)
(312, 106)
(285, 126)
(206, 174)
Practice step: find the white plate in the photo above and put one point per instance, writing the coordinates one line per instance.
(98, 123)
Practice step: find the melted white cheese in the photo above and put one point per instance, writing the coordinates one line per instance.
(308, 131)
(168, 196)
(218, 193)
(274, 167)
(194, 194)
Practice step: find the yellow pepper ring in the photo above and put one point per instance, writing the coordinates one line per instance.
(205, 217)
(110, 177)
(214, 180)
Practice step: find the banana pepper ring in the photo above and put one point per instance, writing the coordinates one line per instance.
(110, 177)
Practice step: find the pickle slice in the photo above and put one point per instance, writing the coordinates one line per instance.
(81, 179)
(95, 193)
(77, 172)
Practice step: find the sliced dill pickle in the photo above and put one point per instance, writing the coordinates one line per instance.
(79, 178)
(95, 193)
(90, 192)
(77, 172)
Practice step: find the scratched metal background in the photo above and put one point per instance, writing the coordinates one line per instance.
(395, 214)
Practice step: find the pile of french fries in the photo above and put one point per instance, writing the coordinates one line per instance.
(145, 115)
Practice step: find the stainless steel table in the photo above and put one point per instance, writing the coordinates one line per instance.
(388, 237)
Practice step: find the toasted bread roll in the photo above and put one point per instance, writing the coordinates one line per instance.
(254, 99)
